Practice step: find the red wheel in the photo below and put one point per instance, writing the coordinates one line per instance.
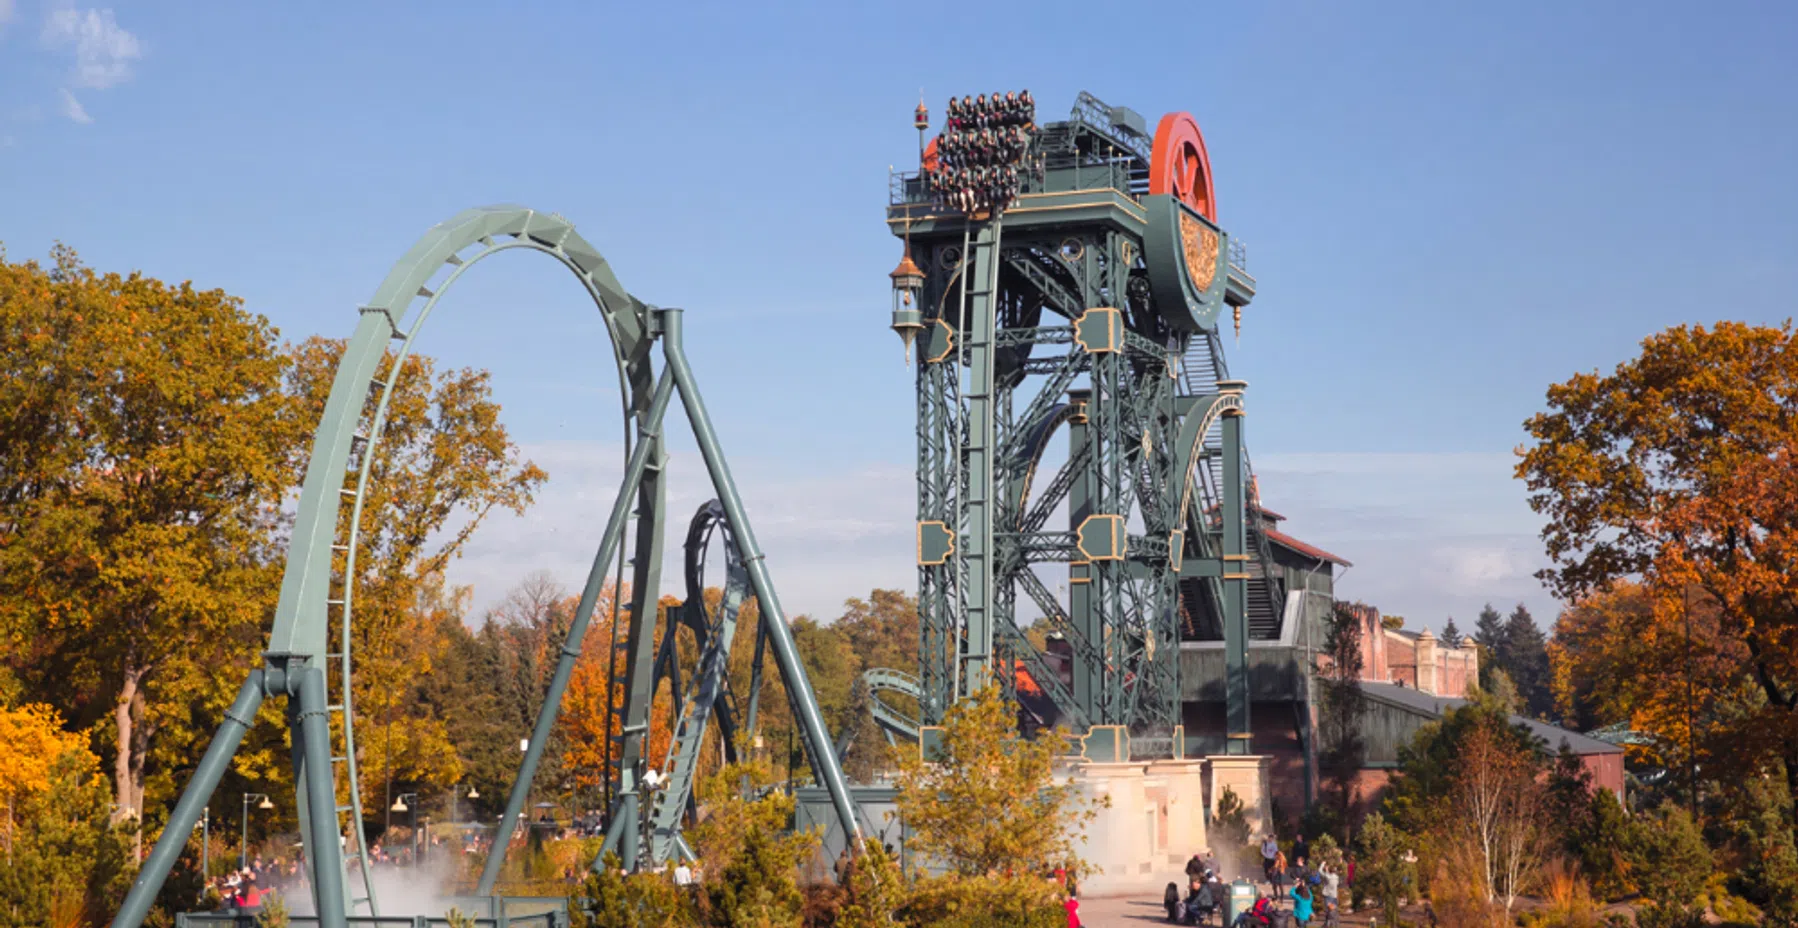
(1178, 164)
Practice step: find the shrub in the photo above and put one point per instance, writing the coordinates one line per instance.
(985, 902)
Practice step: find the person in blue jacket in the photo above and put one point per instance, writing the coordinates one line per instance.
(1301, 902)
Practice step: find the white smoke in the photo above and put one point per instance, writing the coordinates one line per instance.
(399, 890)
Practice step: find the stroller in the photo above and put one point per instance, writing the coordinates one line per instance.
(1198, 905)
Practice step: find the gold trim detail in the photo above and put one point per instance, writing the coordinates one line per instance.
(1200, 245)
(948, 343)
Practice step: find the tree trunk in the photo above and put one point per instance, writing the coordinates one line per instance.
(125, 789)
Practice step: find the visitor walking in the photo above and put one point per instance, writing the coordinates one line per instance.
(1301, 851)
(1072, 905)
(1270, 849)
(1279, 873)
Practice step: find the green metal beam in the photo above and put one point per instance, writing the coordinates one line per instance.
(786, 653)
(1236, 620)
(647, 449)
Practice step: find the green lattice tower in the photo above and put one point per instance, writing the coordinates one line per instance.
(1095, 311)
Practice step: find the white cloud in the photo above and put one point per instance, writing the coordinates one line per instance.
(73, 109)
(827, 534)
(1430, 535)
(103, 51)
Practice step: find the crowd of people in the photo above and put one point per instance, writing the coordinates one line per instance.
(1313, 889)
(979, 162)
(246, 890)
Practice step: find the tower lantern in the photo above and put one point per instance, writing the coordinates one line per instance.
(908, 282)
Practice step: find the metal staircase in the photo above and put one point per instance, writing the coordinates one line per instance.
(1202, 367)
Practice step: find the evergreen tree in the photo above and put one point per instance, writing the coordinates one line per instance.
(1451, 635)
(1488, 634)
(1339, 721)
(1490, 629)
(1523, 653)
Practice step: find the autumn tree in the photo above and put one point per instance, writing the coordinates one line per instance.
(442, 463)
(1681, 468)
(64, 863)
(1029, 823)
(143, 437)
(1497, 812)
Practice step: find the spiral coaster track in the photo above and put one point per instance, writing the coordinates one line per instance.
(317, 597)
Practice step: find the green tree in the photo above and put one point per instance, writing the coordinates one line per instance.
(751, 860)
(1382, 873)
(1671, 863)
(1339, 674)
(1231, 823)
(1523, 653)
(69, 863)
(1763, 858)
(1028, 823)
(1429, 763)
(1489, 628)
(1451, 635)
(1599, 843)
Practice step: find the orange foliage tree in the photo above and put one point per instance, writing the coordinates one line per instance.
(34, 740)
(1680, 469)
(584, 724)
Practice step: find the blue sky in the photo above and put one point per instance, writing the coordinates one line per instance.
(1448, 207)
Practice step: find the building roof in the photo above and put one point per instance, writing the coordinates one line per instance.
(1266, 513)
(1311, 551)
(1434, 706)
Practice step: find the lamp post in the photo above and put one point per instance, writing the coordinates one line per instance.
(205, 826)
(243, 847)
(399, 805)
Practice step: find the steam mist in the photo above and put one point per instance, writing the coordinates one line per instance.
(425, 890)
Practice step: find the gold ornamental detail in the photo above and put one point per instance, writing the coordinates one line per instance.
(1200, 244)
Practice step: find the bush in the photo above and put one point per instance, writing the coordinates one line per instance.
(985, 902)
(609, 898)
(1567, 900)
(1670, 861)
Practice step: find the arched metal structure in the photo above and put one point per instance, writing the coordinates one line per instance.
(317, 591)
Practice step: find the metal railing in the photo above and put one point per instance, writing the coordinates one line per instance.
(483, 911)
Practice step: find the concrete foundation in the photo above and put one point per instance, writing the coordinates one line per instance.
(1246, 775)
(1155, 821)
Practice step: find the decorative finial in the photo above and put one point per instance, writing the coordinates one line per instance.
(1238, 314)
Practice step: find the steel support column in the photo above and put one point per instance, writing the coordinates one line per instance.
(786, 653)
(1082, 615)
(647, 448)
(311, 726)
(1236, 579)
